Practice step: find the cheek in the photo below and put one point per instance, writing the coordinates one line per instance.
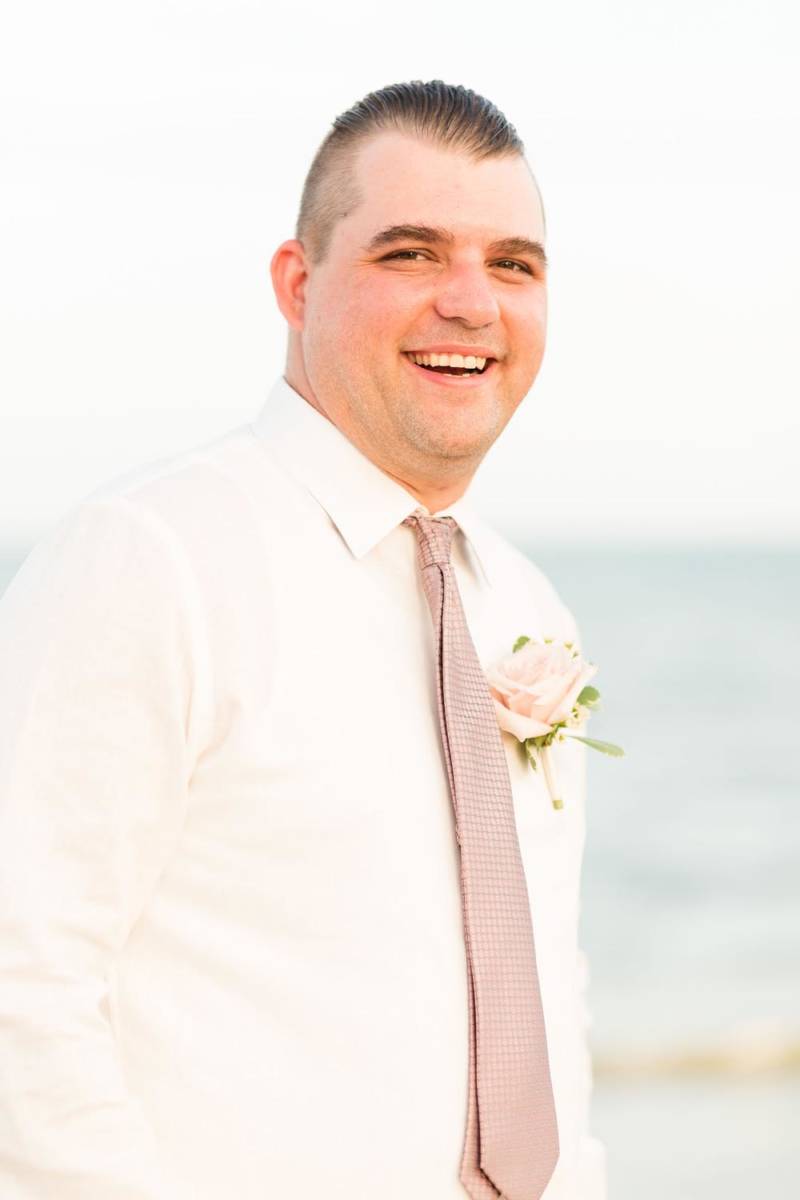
(381, 312)
(529, 320)
(322, 327)
(527, 328)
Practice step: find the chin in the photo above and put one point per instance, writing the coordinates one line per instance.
(470, 446)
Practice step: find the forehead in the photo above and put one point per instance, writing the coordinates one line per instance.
(402, 179)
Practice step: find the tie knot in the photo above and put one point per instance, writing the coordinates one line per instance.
(434, 535)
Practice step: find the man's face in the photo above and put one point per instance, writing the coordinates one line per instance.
(368, 306)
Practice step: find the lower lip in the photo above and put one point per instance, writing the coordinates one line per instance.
(456, 381)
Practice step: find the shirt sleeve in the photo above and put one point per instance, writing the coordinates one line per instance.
(100, 637)
(591, 1182)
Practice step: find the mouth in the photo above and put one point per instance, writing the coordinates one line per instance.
(451, 372)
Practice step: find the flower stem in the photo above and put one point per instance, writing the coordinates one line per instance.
(550, 776)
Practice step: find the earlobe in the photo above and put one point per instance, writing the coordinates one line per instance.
(289, 274)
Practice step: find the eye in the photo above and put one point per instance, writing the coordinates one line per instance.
(400, 253)
(508, 262)
(512, 263)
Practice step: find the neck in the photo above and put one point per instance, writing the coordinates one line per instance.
(434, 498)
(433, 494)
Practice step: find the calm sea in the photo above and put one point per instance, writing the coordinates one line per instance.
(691, 893)
(691, 897)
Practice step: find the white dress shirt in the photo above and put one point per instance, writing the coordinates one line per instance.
(232, 962)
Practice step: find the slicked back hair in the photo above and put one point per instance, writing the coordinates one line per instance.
(448, 115)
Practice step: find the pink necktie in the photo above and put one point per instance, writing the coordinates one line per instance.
(511, 1142)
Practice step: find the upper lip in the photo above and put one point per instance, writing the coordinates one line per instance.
(452, 348)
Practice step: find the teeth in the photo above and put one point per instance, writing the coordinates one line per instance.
(470, 361)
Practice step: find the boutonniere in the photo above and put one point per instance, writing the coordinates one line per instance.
(541, 690)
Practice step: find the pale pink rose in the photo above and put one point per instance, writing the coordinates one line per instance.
(536, 688)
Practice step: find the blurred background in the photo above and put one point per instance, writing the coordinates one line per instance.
(153, 158)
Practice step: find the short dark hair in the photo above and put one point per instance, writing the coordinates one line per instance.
(443, 113)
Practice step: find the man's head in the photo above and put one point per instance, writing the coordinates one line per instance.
(421, 229)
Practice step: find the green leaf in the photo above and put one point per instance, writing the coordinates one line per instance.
(589, 696)
(531, 754)
(519, 643)
(606, 747)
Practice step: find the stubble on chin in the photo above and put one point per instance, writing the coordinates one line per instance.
(462, 443)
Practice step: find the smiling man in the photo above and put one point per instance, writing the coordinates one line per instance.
(421, 327)
(283, 911)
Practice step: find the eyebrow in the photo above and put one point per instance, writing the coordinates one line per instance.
(431, 234)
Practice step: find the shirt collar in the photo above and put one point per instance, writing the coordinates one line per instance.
(364, 503)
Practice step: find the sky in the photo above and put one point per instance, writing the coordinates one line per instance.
(153, 160)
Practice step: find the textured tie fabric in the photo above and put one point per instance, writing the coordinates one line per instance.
(511, 1141)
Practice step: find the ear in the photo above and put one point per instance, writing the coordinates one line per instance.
(289, 271)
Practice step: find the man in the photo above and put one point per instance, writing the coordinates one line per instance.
(235, 961)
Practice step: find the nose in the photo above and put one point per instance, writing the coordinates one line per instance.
(466, 294)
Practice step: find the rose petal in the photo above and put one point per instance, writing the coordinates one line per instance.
(562, 711)
(521, 727)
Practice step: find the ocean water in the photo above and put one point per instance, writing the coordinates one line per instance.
(691, 887)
